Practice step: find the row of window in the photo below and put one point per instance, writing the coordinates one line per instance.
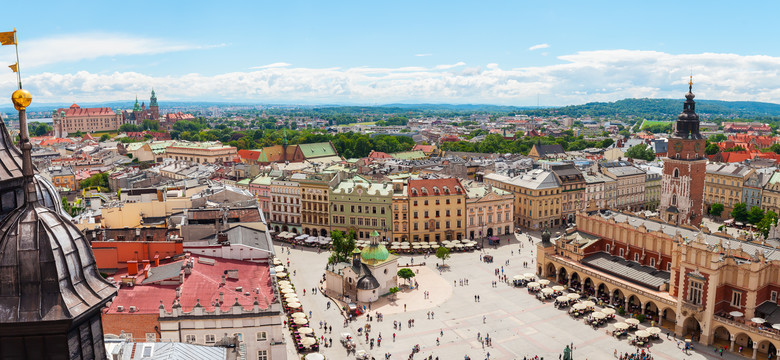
(211, 338)
(425, 202)
(437, 213)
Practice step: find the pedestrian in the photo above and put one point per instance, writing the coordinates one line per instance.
(484, 318)
(393, 337)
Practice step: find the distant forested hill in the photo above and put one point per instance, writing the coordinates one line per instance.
(664, 109)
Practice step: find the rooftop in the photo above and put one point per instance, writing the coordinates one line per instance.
(202, 285)
(628, 270)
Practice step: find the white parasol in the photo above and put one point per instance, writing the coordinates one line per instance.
(547, 291)
(588, 303)
(608, 311)
(281, 274)
(544, 282)
(578, 306)
(533, 284)
(642, 334)
(736, 314)
(598, 315)
(621, 326)
(573, 296)
(287, 291)
(562, 298)
(306, 330)
(298, 315)
(653, 330)
(294, 305)
(558, 288)
(758, 320)
(308, 341)
(632, 321)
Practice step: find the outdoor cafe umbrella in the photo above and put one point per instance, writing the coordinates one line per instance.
(284, 282)
(547, 291)
(573, 296)
(621, 326)
(558, 288)
(588, 303)
(306, 330)
(405, 246)
(294, 305)
(279, 268)
(287, 291)
(277, 262)
(301, 321)
(642, 334)
(311, 240)
(395, 247)
(776, 326)
(308, 341)
(529, 276)
(578, 306)
(291, 300)
(281, 274)
(653, 330)
(299, 315)
(449, 246)
(632, 321)
(301, 237)
(758, 320)
(562, 298)
(282, 287)
(518, 277)
(533, 284)
(736, 314)
(314, 356)
(290, 296)
(598, 315)
(608, 311)
(544, 282)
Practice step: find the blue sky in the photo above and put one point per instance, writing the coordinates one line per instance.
(499, 52)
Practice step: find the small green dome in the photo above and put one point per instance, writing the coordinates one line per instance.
(375, 253)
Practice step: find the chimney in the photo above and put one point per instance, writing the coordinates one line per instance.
(221, 297)
(132, 267)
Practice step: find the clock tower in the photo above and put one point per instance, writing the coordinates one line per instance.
(682, 189)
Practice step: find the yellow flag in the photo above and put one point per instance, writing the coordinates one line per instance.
(13, 67)
(8, 38)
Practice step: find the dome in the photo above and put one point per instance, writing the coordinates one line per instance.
(367, 282)
(374, 253)
(50, 270)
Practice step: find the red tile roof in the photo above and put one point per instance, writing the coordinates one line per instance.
(249, 154)
(204, 284)
(75, 110)
(178, 116)
(425, 187)
(423, 148)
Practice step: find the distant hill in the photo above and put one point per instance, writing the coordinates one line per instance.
(663, 109)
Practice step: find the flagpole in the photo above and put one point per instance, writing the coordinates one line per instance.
(18, 74)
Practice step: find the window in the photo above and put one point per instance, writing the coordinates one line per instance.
(622, 251)
(190, 339)
(636, 257)
(262, 336)
(773, 296)
(652, 262)
(210, 339)
(669, 266)
(736, 299)
(694, 293)
(262, 354)
(608, 247)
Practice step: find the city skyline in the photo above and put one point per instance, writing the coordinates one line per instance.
(518, 54)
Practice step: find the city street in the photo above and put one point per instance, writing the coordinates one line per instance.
(518, 324)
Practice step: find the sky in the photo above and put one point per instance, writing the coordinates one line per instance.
(522, 53)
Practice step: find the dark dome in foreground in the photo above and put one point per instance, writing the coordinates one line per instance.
(47, 269)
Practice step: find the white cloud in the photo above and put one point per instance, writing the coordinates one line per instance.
(539, 46)
(449, 66)
(274, 65)
(604, 75)
(422, 55)
(87, 46)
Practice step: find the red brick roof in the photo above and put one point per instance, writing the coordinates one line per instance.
(179, 116)
(249, 154)
(204, 284)
(75, 110)
(423, 148)
(427, 187)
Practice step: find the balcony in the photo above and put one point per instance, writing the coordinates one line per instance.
(767, 332)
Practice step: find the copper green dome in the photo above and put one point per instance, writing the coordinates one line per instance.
(374, 253)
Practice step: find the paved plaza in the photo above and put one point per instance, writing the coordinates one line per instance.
(518, 324)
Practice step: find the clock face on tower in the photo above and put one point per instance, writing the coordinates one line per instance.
(678, 146)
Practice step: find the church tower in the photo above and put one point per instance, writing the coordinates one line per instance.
(682, 189)
(154, 110)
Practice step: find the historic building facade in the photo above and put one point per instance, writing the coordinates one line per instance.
(489, 211)
(87, 120)
(682, 189)
(314, 204)
(361, 205)
(436, 209)
(285, 205)
(537, 197)
(723, 184)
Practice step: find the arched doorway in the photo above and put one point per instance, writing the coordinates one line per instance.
(651, 311)
(539, 271)
(743, 345)
(766, 347)
(603, 292)
(562, 278)
(721, 338)
(669, 318)
(551, 270)
(633, 305)
(295, 230)
(276, 229)
(589, 289)
(575, 281)
(490, 232)
(323, 232)
(691, 329)
(285, 228)
(306, 231)
(618, 299)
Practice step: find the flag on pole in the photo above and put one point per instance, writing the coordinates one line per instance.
(13, 67)
(8, 38)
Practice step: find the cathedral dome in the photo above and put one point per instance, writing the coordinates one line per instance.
(50, 271)
(375, 252)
